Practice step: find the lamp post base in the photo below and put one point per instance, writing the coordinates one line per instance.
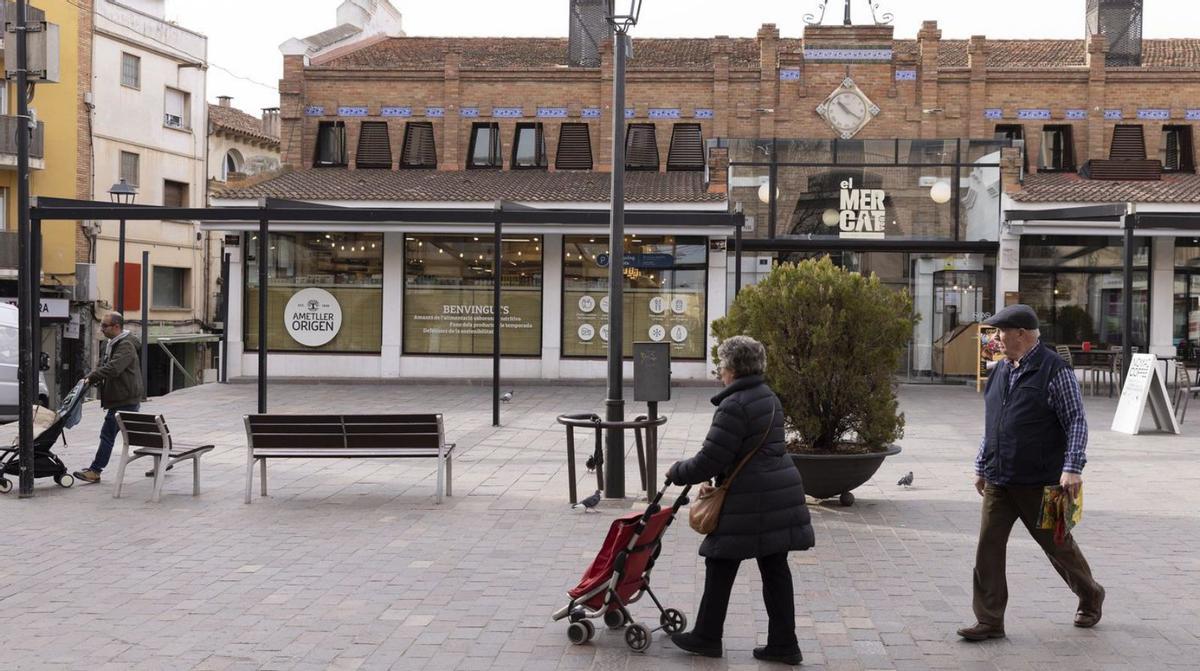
(614, 450)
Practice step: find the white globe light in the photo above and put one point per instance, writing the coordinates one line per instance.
(764, 193)
(941, 192)
(830, 217)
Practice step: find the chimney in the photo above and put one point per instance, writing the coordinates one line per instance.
(589, 29)
(270, 121)
(1120, 22)
(225, 101)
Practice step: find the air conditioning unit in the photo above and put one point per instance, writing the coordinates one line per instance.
(172, 121)
(87, 287)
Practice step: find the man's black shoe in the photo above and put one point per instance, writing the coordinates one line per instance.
(693, 643)
(768, 654)
(981, 632)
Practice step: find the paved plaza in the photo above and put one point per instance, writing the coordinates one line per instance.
(352, 565)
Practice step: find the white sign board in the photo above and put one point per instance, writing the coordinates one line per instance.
(52, 308)
(312, 317)
(862, 212)
(1144, 383)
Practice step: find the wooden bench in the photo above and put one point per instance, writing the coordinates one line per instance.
(345, 437)
(149, 436)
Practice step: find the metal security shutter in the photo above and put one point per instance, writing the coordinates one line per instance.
(374, 146)
(419, 149)
(687, 148)
(641, 147)
(1128, 144)
(574, 147)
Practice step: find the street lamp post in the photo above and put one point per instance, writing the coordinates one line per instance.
(614, 447)
(125, 194)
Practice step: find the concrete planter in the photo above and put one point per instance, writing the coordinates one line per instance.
(829, 475)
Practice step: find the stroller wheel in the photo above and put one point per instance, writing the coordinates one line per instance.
(673, 621)
(5, 486)
(66, 480)
(637, 637)
(581, 632)
(614, 619)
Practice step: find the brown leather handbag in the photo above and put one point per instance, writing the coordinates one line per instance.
(706, 509)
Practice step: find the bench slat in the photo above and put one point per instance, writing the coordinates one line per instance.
(394, 429)
(426, 440)
(295, 419)
(315, 441)
(344, 453)
(297, 428)
(141, 439)
(390, 419)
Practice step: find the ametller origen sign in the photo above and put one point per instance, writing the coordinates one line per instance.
(312, 317)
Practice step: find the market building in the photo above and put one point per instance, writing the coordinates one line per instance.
(893, 155)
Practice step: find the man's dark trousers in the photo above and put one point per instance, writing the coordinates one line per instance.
(108, 435)
(778, 597)
(1002, 507)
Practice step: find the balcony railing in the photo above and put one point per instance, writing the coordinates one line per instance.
(9, 125)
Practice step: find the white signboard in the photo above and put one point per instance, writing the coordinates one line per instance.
(52, 308)
(863, 212)
(1144, 383)
(312, 317)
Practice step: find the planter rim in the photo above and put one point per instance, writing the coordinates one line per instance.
(892, 450)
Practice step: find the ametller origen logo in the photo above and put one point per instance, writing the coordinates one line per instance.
(312, 317)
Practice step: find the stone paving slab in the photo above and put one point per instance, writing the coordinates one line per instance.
(351, 564)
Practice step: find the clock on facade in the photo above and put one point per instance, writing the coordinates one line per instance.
(847, 110)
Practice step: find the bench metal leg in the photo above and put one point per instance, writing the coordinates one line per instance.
(441, 469)
(249, 475)
(449, 475)
(196, 475)
(263, 469)
(121, 470)
(160, 474)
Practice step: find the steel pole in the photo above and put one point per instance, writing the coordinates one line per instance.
(224, 315)
(120, 302)
(497, 268)
(263, 249)
(26, 373)
(145, 324)
(737, 259)
(1128, 221)
(614, 452)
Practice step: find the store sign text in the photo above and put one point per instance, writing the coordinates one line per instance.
(863, 212)
(312, 317)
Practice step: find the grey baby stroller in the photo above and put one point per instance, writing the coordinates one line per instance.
(46, 464)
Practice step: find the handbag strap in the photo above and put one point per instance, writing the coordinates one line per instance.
(770, 425)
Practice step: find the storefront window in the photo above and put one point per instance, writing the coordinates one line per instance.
(1186, 315)
(448, 295)
(1076, 286)
(345, 269)
(664, 294)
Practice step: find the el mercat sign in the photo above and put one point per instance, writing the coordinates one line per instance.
(862, 212)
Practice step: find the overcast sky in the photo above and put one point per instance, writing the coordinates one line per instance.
(248, 48)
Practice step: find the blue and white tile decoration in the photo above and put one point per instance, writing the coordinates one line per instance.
(552, 112)
(993, 113)
(314, 110)
(1033, 114)
(906, 75)
(1154, 114)
(468, 112)
(395, 111)
(1113, 115)
(1192, 115)
(789, 74)
(355, 110)
(508, 112)
(435, 112)
(630, 112)
(707, 113)
(1076, 115)
(664, 113)
(848, 54)
(590, 113)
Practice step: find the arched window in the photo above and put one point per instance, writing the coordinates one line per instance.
(233, 163)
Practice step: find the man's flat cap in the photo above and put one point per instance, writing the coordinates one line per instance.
(1017, 316)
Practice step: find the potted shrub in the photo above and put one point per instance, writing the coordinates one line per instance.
(834, 341)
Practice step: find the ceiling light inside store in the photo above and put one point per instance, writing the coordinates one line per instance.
(941, 192)
(830, 217)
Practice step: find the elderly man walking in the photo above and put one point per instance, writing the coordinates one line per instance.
(120, 377)
(1035, 436)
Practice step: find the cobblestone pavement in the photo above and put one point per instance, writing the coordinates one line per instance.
(351, 565)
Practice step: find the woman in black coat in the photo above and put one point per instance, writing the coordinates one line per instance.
(764, 515)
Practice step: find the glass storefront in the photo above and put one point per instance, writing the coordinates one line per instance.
(448, 295)
(1076, 286)
(1185, 333)
(348, 267)
(664, 294)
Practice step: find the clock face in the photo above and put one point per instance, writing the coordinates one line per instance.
(847, 111)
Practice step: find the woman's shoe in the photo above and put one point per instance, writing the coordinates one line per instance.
(696, 644)
(767, 654)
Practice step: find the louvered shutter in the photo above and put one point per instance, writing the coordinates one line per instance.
(374, 146)
(641, 147)
(687, 148)
(574, 147)
(419, 149)
(1128, 144)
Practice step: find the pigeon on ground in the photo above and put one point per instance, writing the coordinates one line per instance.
(906, 480)
(589, 503)
(506, 396)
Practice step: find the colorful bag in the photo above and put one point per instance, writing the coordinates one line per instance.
(1060, 511)
(706, 509)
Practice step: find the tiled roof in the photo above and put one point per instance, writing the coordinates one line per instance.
(476, 185)
(233, 119)
(425, 53)
(1071, 188)
(332, 36)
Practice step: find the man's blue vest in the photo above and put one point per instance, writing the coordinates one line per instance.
(1025, 443)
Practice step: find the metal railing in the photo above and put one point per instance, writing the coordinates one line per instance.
(9, 125)
(647, 449)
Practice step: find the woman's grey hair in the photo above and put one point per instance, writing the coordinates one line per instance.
(742, 355)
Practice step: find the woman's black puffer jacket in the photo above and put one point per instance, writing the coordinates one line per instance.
(764, 511)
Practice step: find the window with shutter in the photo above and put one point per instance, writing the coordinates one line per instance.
(1057, 152)
(484, 151)
(687, 148)
(331, 144)
(419, 150)
(1175, 150)
(641, 147)
(131, 71)
(1128, 143)
(129, 168)
(175, 194)
(175, 109)
(529, 147)
(1012, 132)
(374, 146)
(574, 147)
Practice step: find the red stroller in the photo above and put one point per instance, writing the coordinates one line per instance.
(620, 575)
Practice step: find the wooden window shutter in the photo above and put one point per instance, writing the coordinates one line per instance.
(419, 149)
(374, 146)
(1128, 144)
(687, 148)
(574, 147)
(641, 147)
